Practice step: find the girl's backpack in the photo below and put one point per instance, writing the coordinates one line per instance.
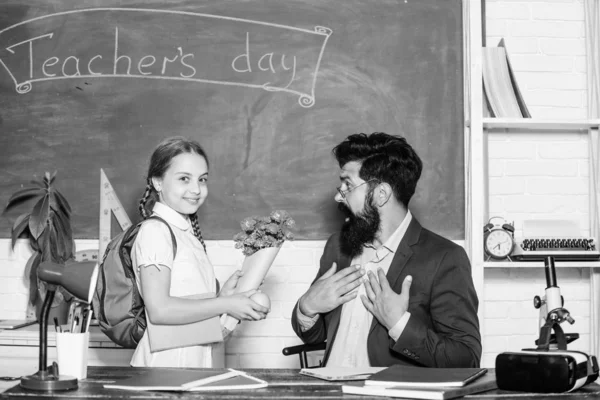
(117, 303)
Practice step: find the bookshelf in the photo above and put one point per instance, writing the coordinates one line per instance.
(539, 125)
(476, 129)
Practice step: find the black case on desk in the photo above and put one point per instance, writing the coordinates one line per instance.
(554, 371)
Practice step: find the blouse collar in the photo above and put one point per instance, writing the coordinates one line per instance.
(171, 216)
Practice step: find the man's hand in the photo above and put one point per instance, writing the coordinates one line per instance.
(331, 290)
(381, 301)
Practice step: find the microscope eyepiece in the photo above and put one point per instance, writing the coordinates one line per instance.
(550, 272)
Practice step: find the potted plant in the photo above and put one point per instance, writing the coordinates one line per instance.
(47, 225)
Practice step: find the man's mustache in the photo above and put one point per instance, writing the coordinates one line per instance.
(346, 210)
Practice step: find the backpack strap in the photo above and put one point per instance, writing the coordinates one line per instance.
(156, 217)
(218, 285)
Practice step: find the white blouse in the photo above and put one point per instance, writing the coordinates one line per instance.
(191, 274)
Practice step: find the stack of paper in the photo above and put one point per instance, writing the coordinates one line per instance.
(341, 374)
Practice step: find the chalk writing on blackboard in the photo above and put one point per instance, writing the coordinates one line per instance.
(291, 65)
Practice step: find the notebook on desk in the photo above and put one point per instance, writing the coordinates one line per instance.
(413, 377)
(188, 380)
(165, 337)
(482, 384)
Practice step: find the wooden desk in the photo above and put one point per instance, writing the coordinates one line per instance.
(283, 384)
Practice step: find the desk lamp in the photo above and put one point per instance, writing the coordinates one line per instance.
(79, 279)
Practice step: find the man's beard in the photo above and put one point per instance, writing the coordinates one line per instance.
(359, 229)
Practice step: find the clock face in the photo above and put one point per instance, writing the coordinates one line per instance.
(499, 243)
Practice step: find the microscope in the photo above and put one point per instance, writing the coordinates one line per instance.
(552, 313)
(549, 367)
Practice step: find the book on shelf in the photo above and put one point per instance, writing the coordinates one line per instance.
(502, 96)
(188, 380)
(482, 384)
(340, 373)
(403, 375)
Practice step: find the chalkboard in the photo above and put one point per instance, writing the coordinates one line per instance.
(268, 87)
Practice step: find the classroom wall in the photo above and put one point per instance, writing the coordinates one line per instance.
(538, 175)
(546, 44)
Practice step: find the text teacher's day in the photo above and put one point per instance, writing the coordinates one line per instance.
(290, 65)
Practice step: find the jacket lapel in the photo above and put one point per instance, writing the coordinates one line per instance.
(401, 256)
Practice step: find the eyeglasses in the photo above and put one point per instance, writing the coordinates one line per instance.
(343, 193)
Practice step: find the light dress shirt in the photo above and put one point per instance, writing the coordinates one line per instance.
(349, 348)
(191, 273)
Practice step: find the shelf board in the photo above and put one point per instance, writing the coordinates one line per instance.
(539, 124)
(540, 264)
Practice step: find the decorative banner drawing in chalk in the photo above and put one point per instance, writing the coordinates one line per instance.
(290, 64)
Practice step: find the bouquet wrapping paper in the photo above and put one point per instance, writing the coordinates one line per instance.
(255, 268)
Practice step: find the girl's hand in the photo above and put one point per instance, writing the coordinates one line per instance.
(228, 288)
(242, 307)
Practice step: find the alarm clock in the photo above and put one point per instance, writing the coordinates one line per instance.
(498, 239)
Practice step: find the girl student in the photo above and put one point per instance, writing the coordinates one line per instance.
(176, 188)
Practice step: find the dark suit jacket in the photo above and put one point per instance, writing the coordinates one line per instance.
(443, 329)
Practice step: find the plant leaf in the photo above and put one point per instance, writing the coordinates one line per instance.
(23, 195)
(64, 235)
(54, 245)
(37, 183)
(31, 271)
(62, 244)
(53, 176)
(62, 201)
(19, 226)
(63, 216)
(53, 200)
(47, 179)
(44, 246)
(39, 217)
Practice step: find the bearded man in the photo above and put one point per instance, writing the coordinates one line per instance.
(388, 291)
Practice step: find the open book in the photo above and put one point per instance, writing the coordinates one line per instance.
(341, 374)
(185, 380)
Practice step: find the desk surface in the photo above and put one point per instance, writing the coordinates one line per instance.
(283, 384)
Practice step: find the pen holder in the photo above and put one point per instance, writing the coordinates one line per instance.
(72, 353)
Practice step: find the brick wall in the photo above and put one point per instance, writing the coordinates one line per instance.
(253, 344)
(538, 175)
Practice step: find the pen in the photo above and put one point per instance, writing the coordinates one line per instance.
(87, 318)
(71, 315)
(78, 316)
(57, 327)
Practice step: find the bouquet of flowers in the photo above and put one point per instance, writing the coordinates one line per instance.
(260, 241)
(262, 232)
